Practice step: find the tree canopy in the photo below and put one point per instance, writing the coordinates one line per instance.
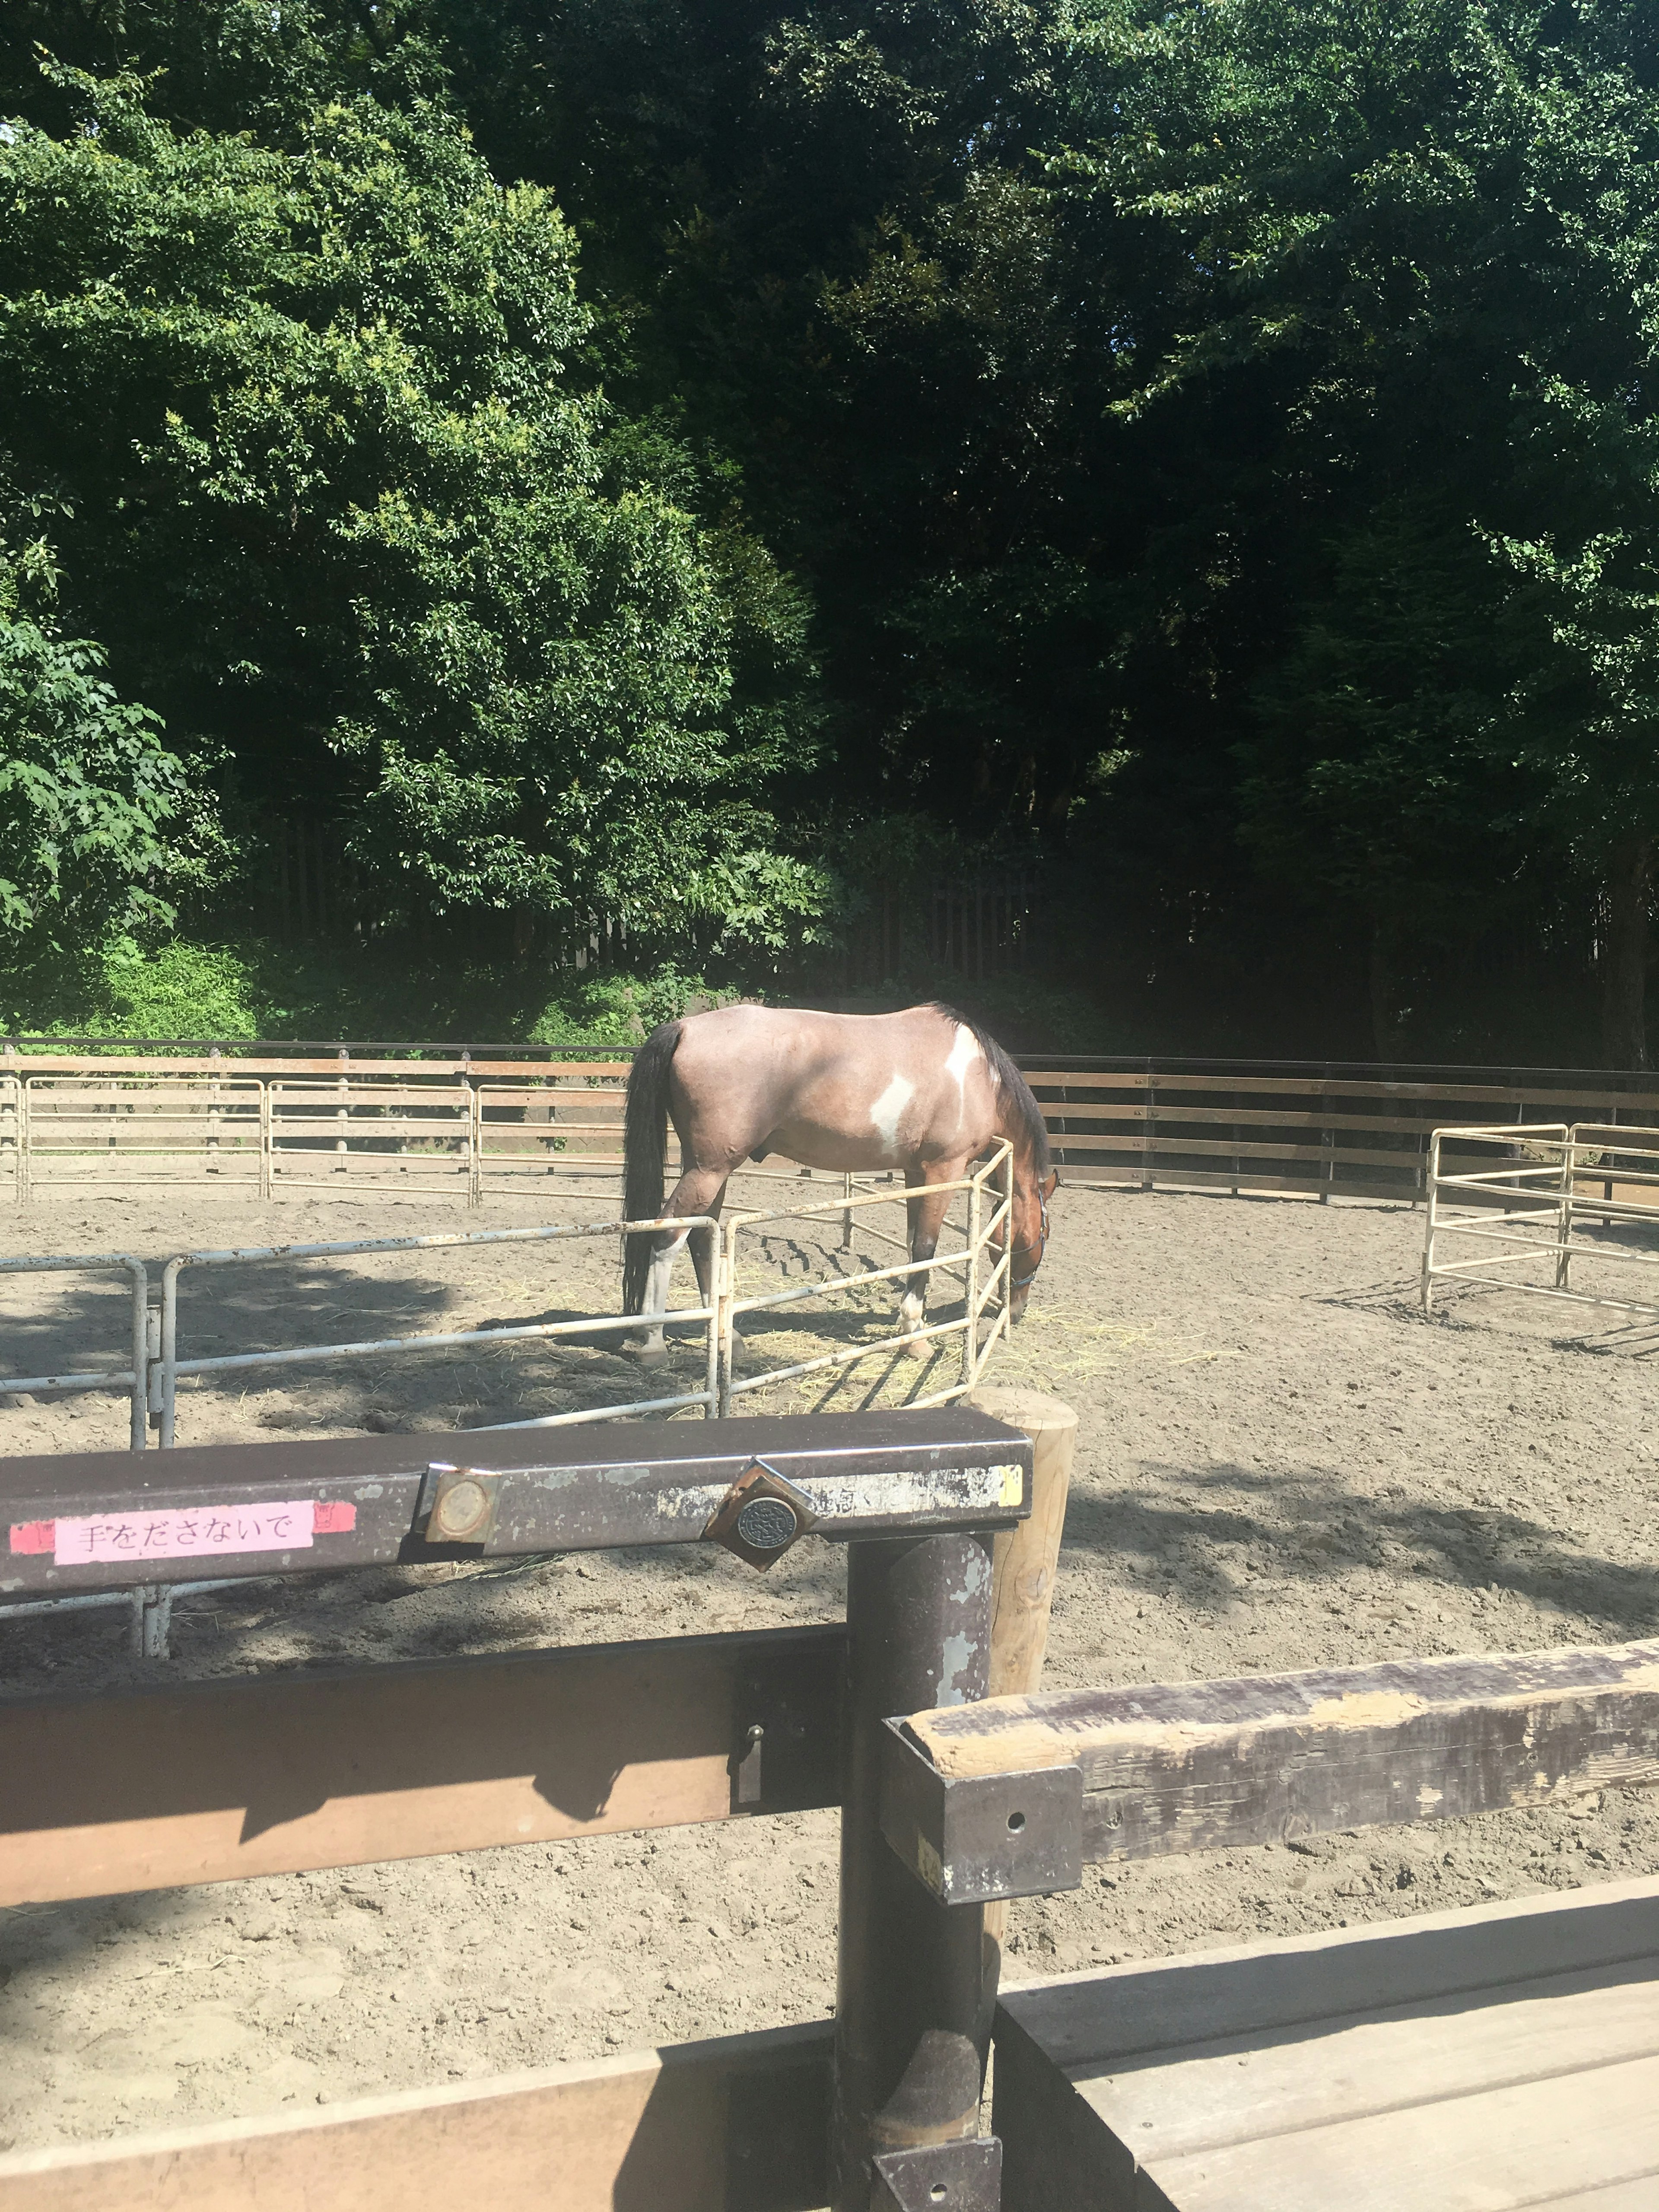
(651, 463)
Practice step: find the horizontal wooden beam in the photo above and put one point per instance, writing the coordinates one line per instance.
(213, 1781)
(737, 2125)
(1196, 1766)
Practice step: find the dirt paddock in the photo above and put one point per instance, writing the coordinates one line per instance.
(1280, 1464)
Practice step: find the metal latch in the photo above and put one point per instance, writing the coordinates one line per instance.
(461, 1506)
(980, 1837)
(760, 1517)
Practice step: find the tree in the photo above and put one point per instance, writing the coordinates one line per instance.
(98, 821)
(313, 395)
(1417, 242)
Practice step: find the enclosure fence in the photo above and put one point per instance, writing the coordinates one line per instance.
(1524, 1196)
(356, 1121)
(954, 1797)
(157, 1361)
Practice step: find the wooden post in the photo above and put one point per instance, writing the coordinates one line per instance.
(1024, 1560)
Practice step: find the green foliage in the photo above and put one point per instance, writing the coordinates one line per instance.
(314, 393)
(1205, 447)
(97, 819)
(254, 988)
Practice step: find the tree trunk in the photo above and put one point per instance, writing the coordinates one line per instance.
(1624, 954)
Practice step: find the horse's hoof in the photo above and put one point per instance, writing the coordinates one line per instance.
(651, 1355)
(917, 1350)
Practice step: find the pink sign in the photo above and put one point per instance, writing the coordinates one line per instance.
(194, 1532)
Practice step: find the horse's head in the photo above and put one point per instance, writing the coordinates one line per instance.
(1030, 1222)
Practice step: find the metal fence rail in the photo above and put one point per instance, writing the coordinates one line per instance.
(151, 1380)
(144, 1337)
(168, 1366)
(989, 1194)
(1520, 1193)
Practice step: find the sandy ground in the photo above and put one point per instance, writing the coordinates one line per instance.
(1280, 1464)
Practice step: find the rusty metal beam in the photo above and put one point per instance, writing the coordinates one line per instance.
(212, 1781)
(734, 2125)
(82, 1521)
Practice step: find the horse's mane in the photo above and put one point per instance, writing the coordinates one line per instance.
(1010, 1082)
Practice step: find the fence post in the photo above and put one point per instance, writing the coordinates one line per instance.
(1327, 1146)
(1563, 1225)
(726, 1291)
(152, 1618)
(169, 1390)
(1607, 1187)
(25, 1142)
(267, 1162)
(915, 1980)
(713, 1368)
(1432, 1198)
(1149, 1130)
(474, 1144)
(138, 1426)
(971, 1306)
(1024, 1561)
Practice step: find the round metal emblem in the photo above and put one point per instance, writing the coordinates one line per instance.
(461, 1508)
(768, 1523)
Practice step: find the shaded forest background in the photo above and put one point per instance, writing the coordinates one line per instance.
(522, 514)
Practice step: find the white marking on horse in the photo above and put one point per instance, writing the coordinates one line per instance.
(887, 1110)
(962, 1055)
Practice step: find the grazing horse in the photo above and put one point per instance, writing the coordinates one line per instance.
(926, 1090)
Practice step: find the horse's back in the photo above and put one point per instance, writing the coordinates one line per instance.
(833, 1090)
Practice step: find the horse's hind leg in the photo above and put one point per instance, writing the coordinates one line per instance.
(700, 1190)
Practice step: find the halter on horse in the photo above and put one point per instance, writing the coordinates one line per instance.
(927, 1089)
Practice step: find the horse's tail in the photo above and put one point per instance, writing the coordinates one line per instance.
(644, 1140)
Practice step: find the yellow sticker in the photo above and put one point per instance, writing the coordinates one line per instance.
(1013, 1483)
(928, 1867)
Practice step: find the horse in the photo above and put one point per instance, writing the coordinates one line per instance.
(928, 1090)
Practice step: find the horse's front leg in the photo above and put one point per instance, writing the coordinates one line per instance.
(699, 1190)
(927, 1211)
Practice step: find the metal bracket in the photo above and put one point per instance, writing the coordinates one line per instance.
(952, 2176)
(983, 1837)
(760, 1517)
(462, 1505)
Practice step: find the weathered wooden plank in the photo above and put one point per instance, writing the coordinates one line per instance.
(1543, 1101)
(1638, 2195)
(1060, 2042)
(1508, 2147)
(1193, 1765)
(275, 1773)
(737, 2125)
(1167, 1149)
(1235, 2088)
(1252, 1180)
(1093, 2021)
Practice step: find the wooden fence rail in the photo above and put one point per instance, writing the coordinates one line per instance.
(345, 1120)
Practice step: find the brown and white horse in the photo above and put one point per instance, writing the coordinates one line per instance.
(927, 1090)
